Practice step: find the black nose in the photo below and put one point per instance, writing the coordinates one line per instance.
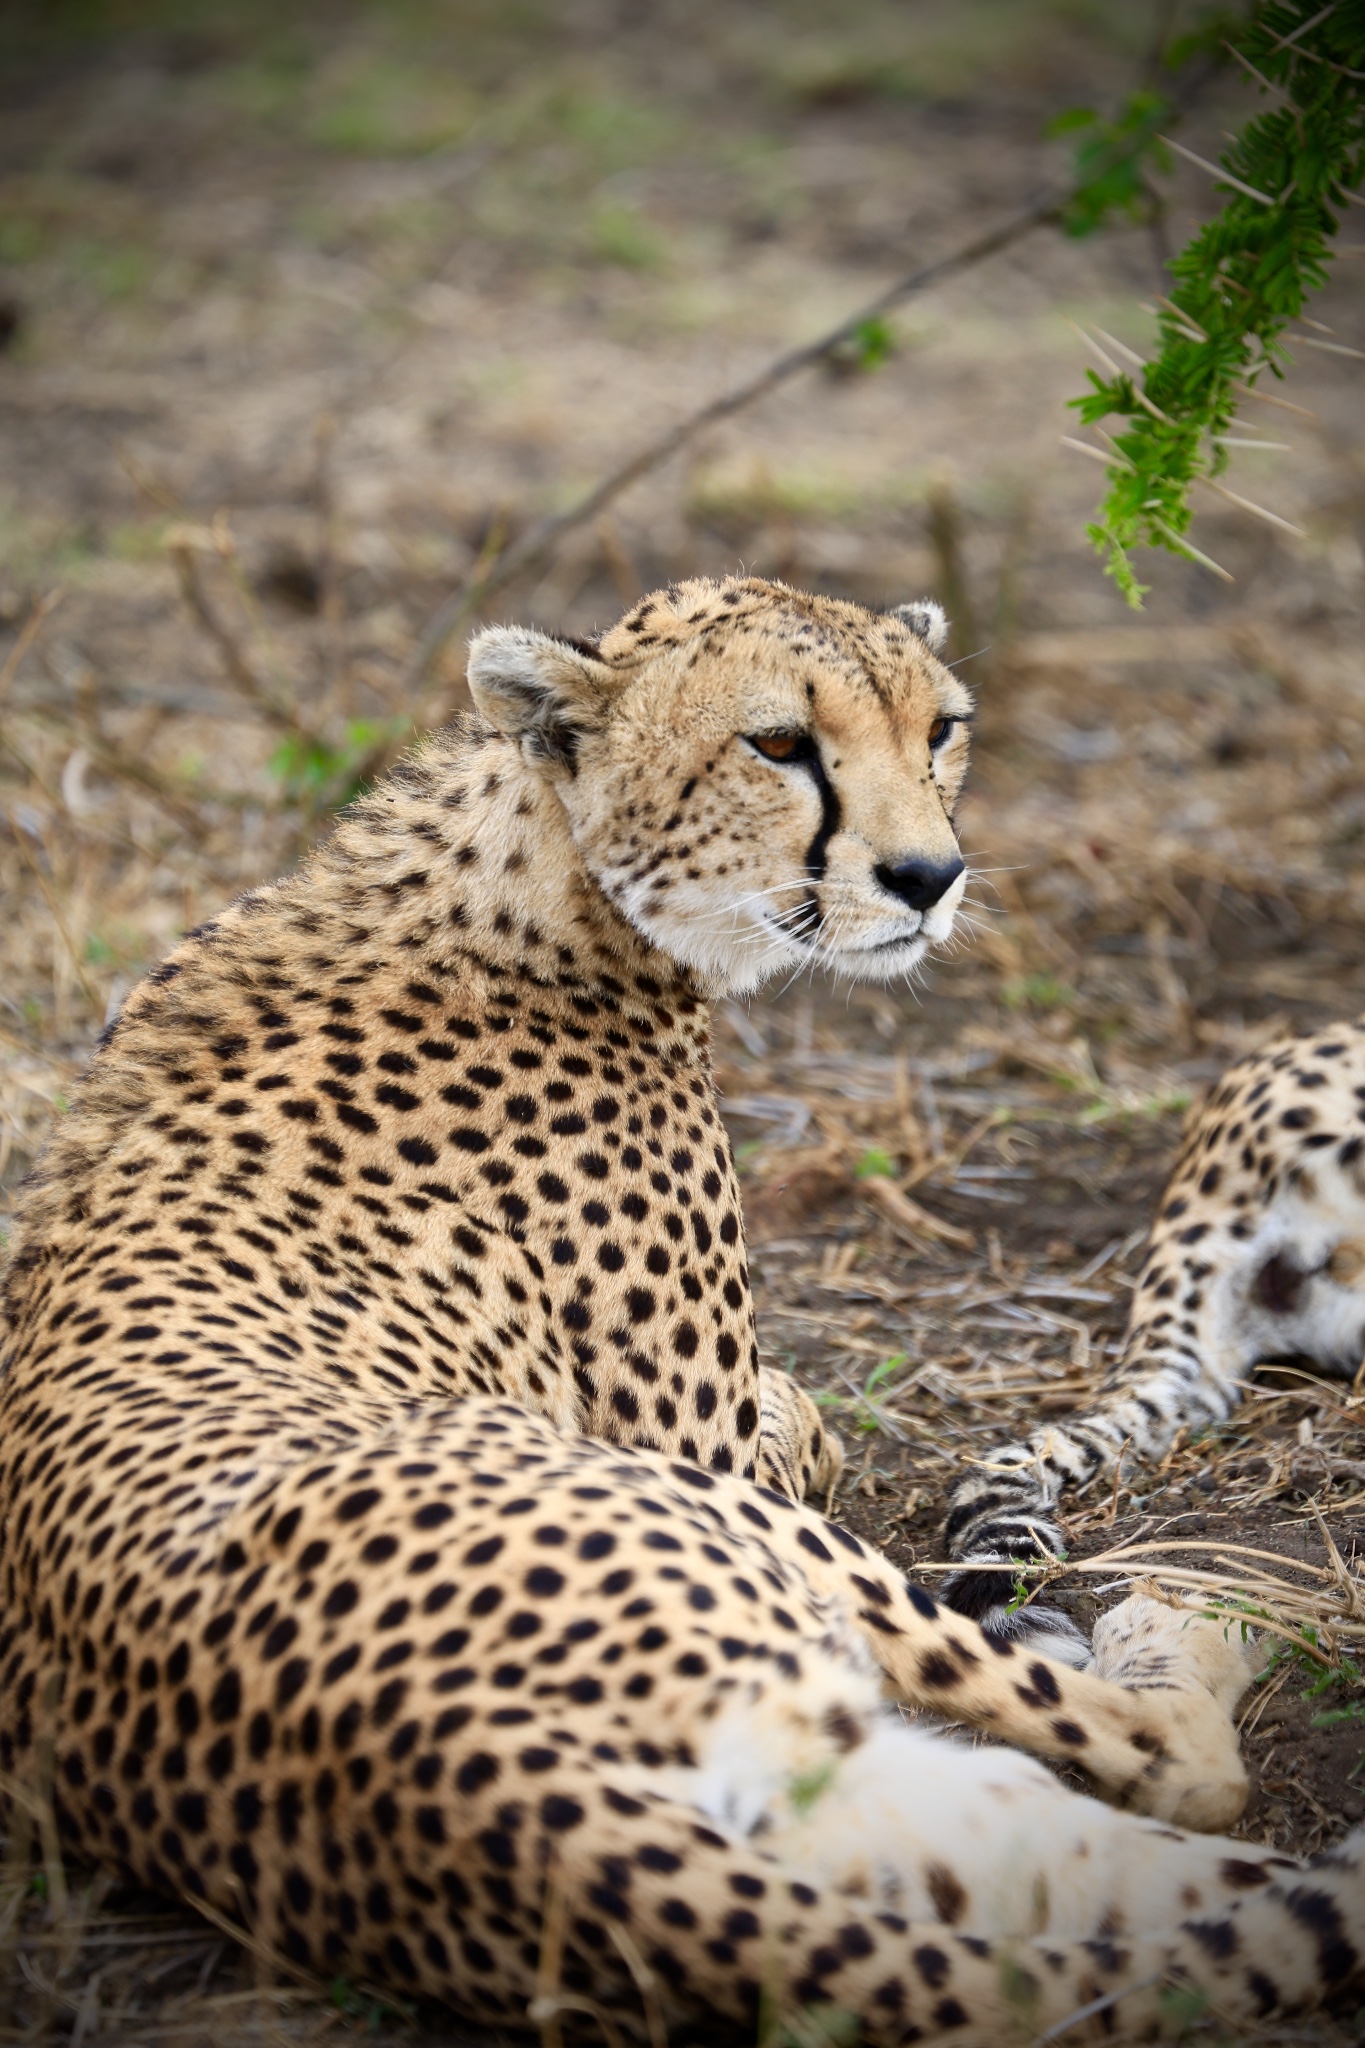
(920, 883)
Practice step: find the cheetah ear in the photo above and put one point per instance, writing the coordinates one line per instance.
(547, 693)
(927, 621)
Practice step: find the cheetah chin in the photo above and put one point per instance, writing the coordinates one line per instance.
(405, 1554)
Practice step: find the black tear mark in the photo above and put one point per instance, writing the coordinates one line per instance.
(831, 813)
(807, 918)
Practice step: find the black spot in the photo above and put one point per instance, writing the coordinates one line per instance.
(932, 1965)
(559, 1813)
(476, 1772)
(1045, 1684)
(357, 1504)
(1217, 1938)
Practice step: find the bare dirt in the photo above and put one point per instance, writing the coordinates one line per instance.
(303, 314)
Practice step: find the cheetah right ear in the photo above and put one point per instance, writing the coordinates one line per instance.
(926, 620)
(547, 693)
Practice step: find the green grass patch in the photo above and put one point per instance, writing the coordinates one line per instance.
(622, 235)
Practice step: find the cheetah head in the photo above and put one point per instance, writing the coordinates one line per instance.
(757, 779)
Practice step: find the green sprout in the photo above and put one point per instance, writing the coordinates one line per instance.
(806, 1787)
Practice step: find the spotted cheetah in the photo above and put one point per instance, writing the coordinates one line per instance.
(1257, 1252)
(403, 1550)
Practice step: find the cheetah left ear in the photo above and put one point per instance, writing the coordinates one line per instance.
(547, 693)
(927, 621)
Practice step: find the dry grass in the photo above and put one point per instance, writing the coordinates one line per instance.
(277, 384)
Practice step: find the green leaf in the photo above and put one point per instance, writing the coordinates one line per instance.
(806, 1787)
(881, 1373)
(1334, 1716)
(873, 342)
(1067, 123)
(1241, 280)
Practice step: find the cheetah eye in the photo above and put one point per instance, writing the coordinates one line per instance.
(782, 746)
(939, 731)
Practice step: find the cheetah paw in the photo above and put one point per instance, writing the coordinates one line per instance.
(1197, 1669)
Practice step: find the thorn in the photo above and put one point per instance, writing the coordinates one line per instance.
(1232, 441)
(1249, 505)
(1329, 348)
(1192, 326)
(1260, 78)
(1123, 348)
(1112, 367)
(1095, 454)
(1268, 398)
(1217, 171)
(1283, 42)
(1185, 547)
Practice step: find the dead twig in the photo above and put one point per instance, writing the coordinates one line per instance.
(185, 544)
(28, 633)
(909, 1217)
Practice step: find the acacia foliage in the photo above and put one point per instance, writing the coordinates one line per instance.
(1243, 279)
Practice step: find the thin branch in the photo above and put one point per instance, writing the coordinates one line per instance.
(184, 544)
(540, 538)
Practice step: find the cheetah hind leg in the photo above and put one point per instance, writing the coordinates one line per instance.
(816, 1851)
(797, 1454)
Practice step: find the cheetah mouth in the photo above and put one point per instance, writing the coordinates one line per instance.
(811, 938)
(915, 938)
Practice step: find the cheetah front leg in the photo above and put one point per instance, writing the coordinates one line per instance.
(1159, 1744)
(1257, 1251)
(1176, 1759)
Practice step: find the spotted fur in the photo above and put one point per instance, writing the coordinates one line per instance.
(401, 1551)
(1257, 1252)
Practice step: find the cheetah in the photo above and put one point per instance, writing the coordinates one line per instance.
(1257, 1252)
(404, 1552)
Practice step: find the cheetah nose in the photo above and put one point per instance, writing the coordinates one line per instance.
(920, 883)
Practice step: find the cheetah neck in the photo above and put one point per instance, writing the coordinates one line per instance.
(460, 868)
(470, 852)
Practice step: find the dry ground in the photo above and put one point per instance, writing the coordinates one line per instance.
(302, 315)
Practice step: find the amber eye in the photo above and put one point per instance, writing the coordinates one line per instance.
(778, 746)
(939, 731)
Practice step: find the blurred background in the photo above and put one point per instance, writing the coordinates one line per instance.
(307, 312)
